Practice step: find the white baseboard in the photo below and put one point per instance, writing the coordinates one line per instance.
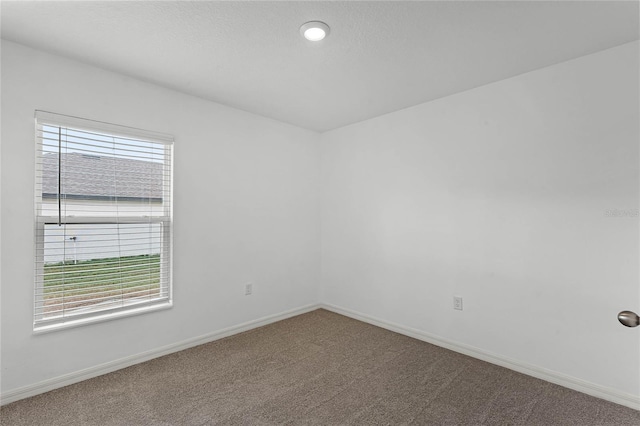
(576, 384)
(98, 370)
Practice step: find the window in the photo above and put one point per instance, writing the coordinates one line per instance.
(103, 221)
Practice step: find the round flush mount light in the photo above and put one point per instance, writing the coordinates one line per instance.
(314, 30)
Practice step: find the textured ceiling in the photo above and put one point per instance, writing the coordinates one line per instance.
(379, 57)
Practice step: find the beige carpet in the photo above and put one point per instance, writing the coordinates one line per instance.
(318, 368)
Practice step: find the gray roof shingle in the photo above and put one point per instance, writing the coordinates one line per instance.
(101, 177)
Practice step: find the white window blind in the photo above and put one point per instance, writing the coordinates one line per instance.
(103, 221)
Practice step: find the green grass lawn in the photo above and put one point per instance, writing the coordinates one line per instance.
(68, 285)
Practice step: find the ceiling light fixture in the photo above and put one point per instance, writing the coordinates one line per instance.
(314, 30)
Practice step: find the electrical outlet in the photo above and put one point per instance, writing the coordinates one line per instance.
(457, 303)
(248, 289)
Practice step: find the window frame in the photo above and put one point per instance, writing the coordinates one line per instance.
(40, 323)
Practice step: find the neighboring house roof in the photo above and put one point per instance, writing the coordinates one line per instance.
(97, 177)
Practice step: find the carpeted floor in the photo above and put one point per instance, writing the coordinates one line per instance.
(317, 368)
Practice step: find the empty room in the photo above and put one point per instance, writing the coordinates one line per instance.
(330, 213)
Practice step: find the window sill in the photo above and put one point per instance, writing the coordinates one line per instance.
(107, 316)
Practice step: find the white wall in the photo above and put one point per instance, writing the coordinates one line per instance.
(500, 195)
(245, 209)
